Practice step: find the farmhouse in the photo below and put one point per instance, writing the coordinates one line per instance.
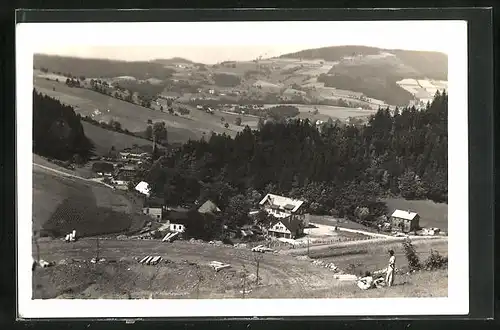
(102, 168)
(135, 157)
(209, 207)
(126, 173)
(281, 207)
(405, 221)
(154, 208)
(288, 227)
(177, 220)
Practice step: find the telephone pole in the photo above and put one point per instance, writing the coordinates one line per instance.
(97, 249)
(308, 246)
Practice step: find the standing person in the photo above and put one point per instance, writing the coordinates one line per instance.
(389, 277)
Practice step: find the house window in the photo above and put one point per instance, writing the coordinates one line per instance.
(158, 217)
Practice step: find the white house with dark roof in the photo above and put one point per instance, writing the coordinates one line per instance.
(406, 221)
(289, 227)
(282, 207)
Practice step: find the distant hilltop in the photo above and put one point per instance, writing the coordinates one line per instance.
(424, 64)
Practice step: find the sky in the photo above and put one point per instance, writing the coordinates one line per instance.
(212, 42)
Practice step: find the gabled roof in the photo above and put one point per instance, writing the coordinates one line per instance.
(283, 203)
(177, 217)
(102, 167)
(208, 207)
(290, 223)
(408, 215)
(154, 202)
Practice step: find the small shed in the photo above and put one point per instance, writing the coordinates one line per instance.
(406, 221)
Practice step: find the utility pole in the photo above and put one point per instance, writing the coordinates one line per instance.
(97, 249)
(258, 257)
(244, 280)
(200, 279)
(308, 246)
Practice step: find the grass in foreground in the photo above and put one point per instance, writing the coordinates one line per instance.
(129, 280)
(422, 284)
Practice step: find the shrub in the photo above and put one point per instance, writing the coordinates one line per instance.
(156, 234)
(227, 240)
(435, 261)
(411, 255)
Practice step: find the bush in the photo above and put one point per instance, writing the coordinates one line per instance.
(156, 234)
(435, 261)
(411, 255)
(227, 240)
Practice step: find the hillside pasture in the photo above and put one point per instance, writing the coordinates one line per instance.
(249, 121)
(431, 214)
(63, 204)
(49, 75)
(104, 139)
(334, 112)
(359, 259)
(131, 116)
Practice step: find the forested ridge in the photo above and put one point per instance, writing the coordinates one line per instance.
(57, 130)
(104, 68)
(341, 170)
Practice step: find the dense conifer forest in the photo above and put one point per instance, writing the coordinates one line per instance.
(341, 170)
(57, 130)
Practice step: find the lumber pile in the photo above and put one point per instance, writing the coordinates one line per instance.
(217, 265)
(170, 237)
(150, 260)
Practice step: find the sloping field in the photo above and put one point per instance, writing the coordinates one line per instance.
(431, 214)
(331, 111)
(131, 116)
(252, 122)
(372, 257)
(49, 75)
(63, 204)
(104, 139)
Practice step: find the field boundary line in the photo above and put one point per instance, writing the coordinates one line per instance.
(61, 173)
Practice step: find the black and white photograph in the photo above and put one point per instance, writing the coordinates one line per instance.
(242, 168)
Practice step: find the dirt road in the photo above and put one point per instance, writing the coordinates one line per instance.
(66, 174)
(282, 276)
(277, 271)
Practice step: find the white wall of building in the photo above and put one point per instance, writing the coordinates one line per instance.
(176, 227)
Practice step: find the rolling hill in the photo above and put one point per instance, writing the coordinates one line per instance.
(353, 76)
(173, 60)
(375, 71)
(90, 67)
(131, 116)
(424, 64)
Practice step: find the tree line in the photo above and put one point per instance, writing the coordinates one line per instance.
(342, 170)
(102, 67)
(57, 130)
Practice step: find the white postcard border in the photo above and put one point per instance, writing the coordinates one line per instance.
(31, 35)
